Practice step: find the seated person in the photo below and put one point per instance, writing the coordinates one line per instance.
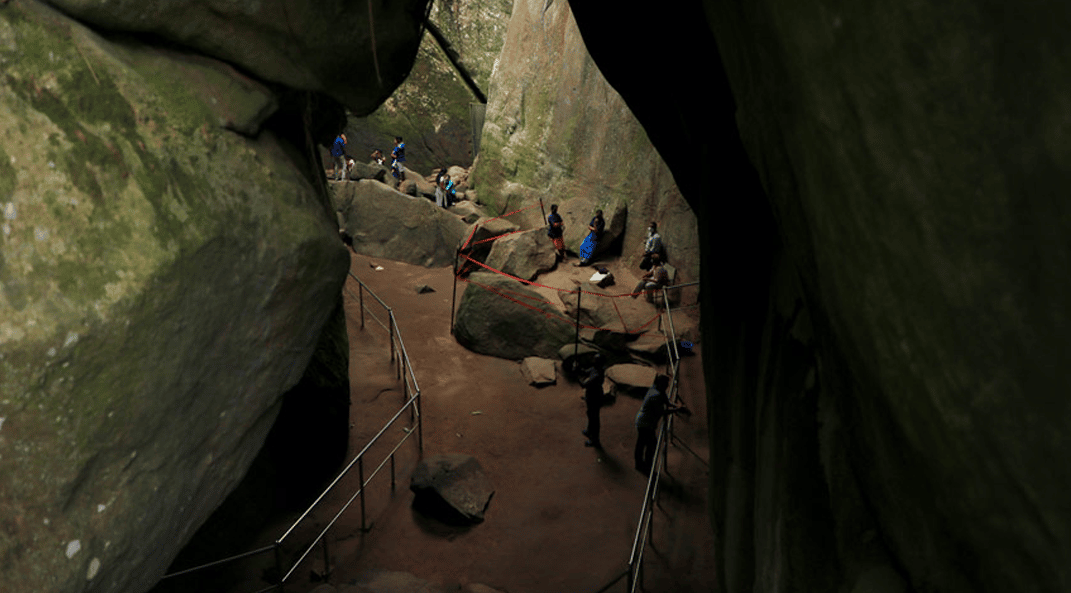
(653, 245)
(653, 280)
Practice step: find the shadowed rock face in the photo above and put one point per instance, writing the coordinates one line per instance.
(355, 52)
(166, 270)
(887, 381)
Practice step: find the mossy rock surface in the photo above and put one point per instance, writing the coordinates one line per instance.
(163, 280)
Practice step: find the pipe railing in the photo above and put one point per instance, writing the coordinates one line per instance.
(665, 436)
(411, 403)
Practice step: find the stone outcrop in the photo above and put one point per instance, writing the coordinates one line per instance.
(164, 281)
(538, 371)
(886, 284)
(335, 48)
(556, 129)
(386, 223)
(451, 488)
(500, 317)
(434, 109)
(524, 255)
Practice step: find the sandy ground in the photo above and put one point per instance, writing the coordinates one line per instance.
(563, 516)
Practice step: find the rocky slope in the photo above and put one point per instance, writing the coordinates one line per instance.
(556, 130)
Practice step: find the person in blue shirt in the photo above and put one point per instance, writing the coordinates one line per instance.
(338, 153)
(655, 405)
(555, 230)
(397, 155)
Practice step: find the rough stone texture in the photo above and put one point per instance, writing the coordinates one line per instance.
(888, 377)
(524, 255)
(555, 127)
(490, 324)
(538, 371)
(599, 311)
(468, 211)
(316, 46)
(478, 237)
(164, 281)
(387, 223)
(431, 109)
(453, 487)
(632, 379)
(651, 346)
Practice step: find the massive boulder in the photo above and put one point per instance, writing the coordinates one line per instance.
(356, 54)
(164, 281)
(387, 223)
(887, 284)
(498, 316)
(524, 255)
(556, 129)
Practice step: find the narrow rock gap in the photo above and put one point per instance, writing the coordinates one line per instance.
(455, 60)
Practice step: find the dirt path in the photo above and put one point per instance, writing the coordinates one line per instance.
(563, 516)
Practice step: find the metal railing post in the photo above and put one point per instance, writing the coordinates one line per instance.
(392, 483)
(390, 315)
(327, 559)
(453, 295)
(420, 424)
(576, 338)
(360, 296)
(279, 566)
(360, 477)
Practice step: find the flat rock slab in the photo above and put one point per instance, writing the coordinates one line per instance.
(451, 488)
(538, 371)
(650, 346)
(631, 378)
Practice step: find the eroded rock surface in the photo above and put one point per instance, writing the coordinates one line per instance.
(386, 223)
(515, 327)
(164, 281)
(356, 54)
(452, 488)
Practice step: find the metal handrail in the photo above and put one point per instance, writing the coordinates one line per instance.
(413, 403)
(665, 436)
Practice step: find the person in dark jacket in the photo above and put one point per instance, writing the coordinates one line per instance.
(555, 230)
(593, 400)
(655, 405)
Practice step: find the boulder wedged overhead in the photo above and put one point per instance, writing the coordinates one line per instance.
(163, 280)
(357, 54)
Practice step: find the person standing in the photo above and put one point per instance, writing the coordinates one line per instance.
(652, 246)
(591, 243)
(556, 230)
(655, 405)
(338, 152)
(593, 400)
(397, 155)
